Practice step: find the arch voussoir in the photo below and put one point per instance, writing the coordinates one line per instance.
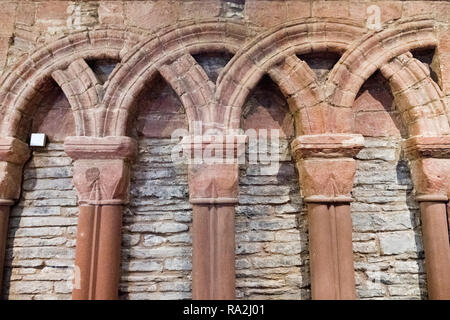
(84, 92)
(192, 85)
(304, 94)
(372, 52)
(152, 55)
(21, 86)
(417, 96)
(271, 48)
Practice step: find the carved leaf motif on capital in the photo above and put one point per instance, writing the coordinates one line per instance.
(213, 183)
(329, 178)
(431, 177)
(102, 181)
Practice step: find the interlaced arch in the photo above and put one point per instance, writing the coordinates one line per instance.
(19, 88)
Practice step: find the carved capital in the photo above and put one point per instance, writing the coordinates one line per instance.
(431, 177)
(13, 150)
(13, 154)
(428, 147)
(327, 180)
(102, 182)
(326, 166)
(327, 146)
(102, 168)
(430, 167)
(216, 183)
(214, 167)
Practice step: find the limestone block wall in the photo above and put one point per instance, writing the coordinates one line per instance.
(272, 259)
(387, 238)
(157, 250)
(41, 240)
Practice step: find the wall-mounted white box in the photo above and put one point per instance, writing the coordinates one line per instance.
(38, 140)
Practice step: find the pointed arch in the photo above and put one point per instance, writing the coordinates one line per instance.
(269, 49)
(302, 90)
(84, 92)
(418, 97)
(372, 52)
(164, 47)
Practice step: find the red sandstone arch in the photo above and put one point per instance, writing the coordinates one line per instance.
(192, 85)
(418, 97)
(19, 88)
(372, 52)
(304, 94)
(270, 48)
(163, 48)
(84, 92)
(423, 110)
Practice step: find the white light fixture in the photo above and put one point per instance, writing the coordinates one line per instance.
(38, 140)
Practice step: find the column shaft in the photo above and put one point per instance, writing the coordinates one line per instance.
(213, 257)
(344, 229)
(437, 248)
(320, 253)
(331, 253)
(97, 257)
(4, 218)
(448, 218)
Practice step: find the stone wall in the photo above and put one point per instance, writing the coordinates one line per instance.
(42, 233)
(387, 239)
(272, 257)
(156, 254)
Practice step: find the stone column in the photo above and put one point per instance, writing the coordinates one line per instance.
(430, 168)
(213, 193)
(102, 179)
(13, 155)
(326, 169)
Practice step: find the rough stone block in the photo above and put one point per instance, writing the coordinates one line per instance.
(111, 12)
(151, 14)
(178, 264)
(335, 9)
(7, 18)
(399, 242)
(265, 13)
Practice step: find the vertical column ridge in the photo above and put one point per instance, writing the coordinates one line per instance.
(326, 169)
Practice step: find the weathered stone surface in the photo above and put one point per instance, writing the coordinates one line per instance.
(398, 243)
(275, 261)
(177, 264)
(271, 220)
(21, 287)
(365, 247)
(386, 222)
(154, 13)
(7, 17)
(265, 13)
(111, 12)
(377, 221)
(145, 266)
(159, 227)
(175, 286)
